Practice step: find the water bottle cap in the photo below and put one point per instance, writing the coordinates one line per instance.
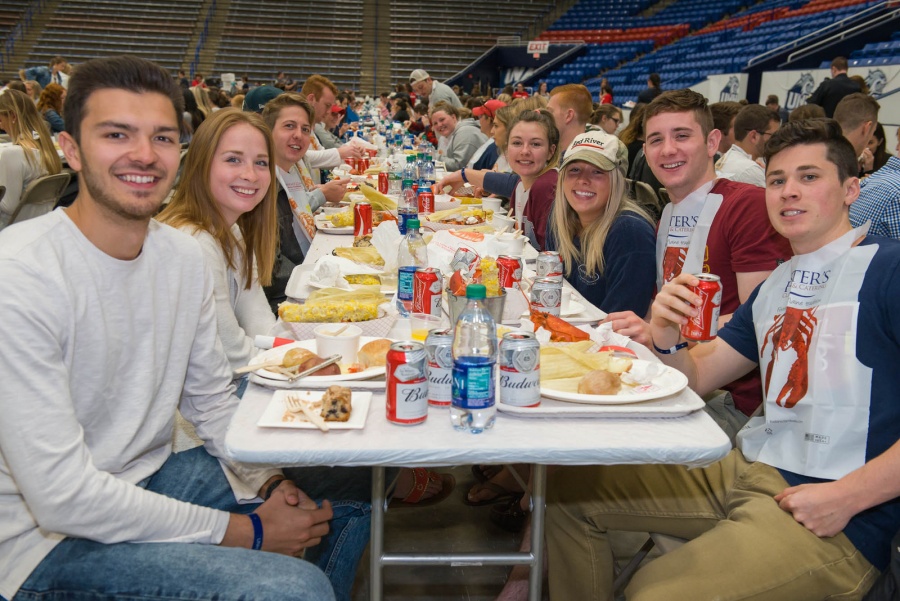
(412, 224)
(410, 158)
(475, 291)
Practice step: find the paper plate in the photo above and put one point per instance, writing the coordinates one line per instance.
(663, 385)
(310, 345)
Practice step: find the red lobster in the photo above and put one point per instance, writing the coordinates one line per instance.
(792, 329)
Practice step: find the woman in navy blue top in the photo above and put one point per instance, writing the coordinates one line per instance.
(606, 241)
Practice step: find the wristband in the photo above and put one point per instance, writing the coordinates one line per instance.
(463, 174)
(668, 351)
(257, 531)
(272, 488)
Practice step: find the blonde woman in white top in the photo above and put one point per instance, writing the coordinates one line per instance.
(31, 155)
(227, 202)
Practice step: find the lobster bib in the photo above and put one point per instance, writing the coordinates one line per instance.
(681, 245)
(297, 185)
(816, 391)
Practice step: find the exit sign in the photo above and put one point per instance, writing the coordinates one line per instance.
(538, 47)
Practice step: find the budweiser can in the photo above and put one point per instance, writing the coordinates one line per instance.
(438, 349)
(351, 162)
(407, 384)
(705, 325)
(362, 219)
(549, 265)
(509, 270)
(546, 296)
(362, 165)
(464, 257)
(426, 201)
(427, 291)
(384, 182)
(520, 369)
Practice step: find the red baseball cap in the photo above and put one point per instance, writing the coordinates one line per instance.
(489, 108)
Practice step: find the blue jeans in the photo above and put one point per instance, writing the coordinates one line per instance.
(82, 569)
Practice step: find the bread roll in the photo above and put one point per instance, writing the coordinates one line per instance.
(600, 381)
(374, 353)
(296, 356)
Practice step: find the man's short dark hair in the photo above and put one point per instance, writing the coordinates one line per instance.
(771, 99)
(838, 149)
(655, 80)
(855, 109)
(723, 114)
(681, 101)
(753, 117)
(839, 63)
(124, 72)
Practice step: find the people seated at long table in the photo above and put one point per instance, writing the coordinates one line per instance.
(814, 475)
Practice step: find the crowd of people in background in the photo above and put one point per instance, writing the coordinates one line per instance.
(634, 207)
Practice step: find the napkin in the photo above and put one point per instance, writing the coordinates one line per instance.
(386, 240)
(604, 336)
(362, 143)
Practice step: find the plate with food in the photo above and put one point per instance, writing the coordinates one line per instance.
(298, 356)
(324, 224)
(336, 408)
(576, 373)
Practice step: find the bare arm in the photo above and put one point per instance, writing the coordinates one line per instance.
(825, 508)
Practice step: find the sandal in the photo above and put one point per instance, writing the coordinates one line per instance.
(501, 494)
(510, 516)
(421, 479)
(483, 473)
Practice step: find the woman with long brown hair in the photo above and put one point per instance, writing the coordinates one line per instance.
(226, 200)
(50, 105)
(31, 155)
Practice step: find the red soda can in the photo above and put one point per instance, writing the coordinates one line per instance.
(362, 219)
(384, 182)
(426, 201)
(351, 162)
(509, 270)
(549, 265)
(705, 325)
(427, 291)
(362, 165)
(407, 384)
(415, 187)
(371, 153)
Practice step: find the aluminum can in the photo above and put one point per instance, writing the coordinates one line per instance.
(464, 257)
(426, 201)
(705, 326)
(384, 182)
(371, 153)
(549, 265)
(509, 270)
(520, 370)
(439, 350)
(427, 285)
(362, 165)
(546, 296)
(351, 162)
(362, 219)
(407, 384)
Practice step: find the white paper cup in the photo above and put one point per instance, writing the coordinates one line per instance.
(501, 221)
(346, 343)
(492, 204)
(510, 244)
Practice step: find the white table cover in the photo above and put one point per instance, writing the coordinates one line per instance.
(692, 440)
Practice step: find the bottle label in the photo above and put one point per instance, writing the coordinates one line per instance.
(405, 283)
(473, 386)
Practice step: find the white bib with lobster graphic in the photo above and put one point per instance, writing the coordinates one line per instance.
(297, 184)
(682, 234)
(816, 391)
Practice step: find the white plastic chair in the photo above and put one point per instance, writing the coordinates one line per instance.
(40, 196)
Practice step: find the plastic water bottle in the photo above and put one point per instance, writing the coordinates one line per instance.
(473, 405)
(408, 207)
(409, 170)
(429, 175)
(413, 255)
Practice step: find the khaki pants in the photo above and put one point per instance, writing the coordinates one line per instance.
(743, 546)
